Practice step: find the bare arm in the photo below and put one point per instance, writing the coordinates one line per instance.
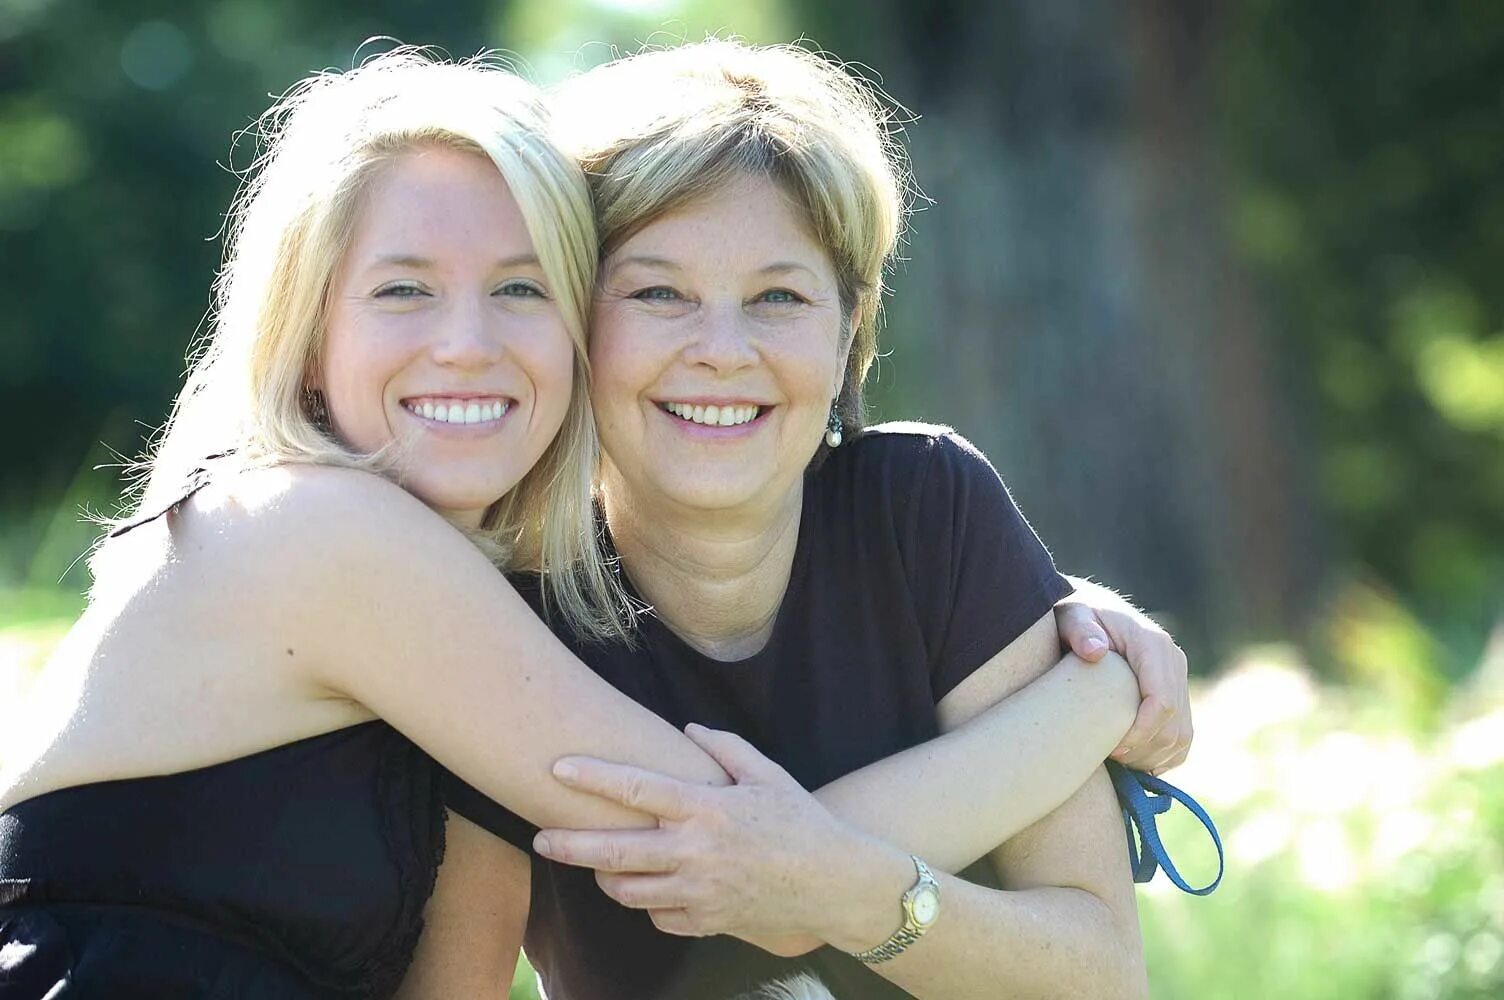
(1066, 923)
(499, 699)
(1071, 894)
(474, 921)
(1032, 732)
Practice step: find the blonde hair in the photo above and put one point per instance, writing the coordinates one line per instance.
(320, 147)
(666, 127)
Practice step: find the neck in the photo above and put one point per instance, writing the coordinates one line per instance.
(716, 578)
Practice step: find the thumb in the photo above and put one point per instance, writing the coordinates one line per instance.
(740, 759)
(1082, 631)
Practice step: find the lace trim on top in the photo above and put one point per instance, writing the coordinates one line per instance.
(408, 793)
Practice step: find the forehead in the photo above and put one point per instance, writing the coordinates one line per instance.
(749, 221)
(437, 201)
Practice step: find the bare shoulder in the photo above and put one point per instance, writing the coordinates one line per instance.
(296, 553)
(289, 532)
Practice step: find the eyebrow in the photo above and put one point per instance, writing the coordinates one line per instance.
(424, 263)
(645, 260)
(785, 266)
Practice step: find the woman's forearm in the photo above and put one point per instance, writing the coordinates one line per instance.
(1066, 927)
(955, 798)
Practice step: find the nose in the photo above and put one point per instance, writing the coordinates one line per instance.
(470, 335)
(723, 340)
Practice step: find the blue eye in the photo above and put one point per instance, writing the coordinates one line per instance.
(781, 296)
(657, 293)
(522, 290)
(402, 291)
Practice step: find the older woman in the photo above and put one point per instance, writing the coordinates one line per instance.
(833, 593)
(218, 796)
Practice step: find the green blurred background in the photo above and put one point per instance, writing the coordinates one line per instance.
(1214, 282)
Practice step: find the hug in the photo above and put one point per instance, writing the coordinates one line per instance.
(517, 566)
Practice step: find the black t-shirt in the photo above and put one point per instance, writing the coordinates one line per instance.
(913, 569)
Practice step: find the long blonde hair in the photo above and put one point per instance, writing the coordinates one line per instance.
(660, 129)
(319, 147)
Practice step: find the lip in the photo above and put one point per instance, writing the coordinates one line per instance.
(443, 394)
(713, 401)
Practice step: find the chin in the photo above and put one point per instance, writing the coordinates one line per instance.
(450, 496)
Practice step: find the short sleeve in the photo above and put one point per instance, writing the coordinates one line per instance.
(466, 800)
(980, 575)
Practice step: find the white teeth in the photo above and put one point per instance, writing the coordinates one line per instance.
(459, 412)
(714, 416)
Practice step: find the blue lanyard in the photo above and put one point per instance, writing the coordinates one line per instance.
(1143, 797)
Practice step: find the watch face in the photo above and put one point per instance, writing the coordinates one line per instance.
(926, 906)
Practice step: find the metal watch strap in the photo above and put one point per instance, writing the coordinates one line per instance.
(909, 932)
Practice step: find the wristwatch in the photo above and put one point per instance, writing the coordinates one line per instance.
(921, 908)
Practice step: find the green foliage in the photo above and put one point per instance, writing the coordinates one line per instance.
(1368, 152)
(1366, 857)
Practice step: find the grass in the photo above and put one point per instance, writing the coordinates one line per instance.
(1365, 847)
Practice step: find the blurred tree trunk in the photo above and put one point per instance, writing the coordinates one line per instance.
(1072, 305)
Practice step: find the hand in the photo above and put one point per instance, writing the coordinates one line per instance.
(755, 859)
(1161, 734)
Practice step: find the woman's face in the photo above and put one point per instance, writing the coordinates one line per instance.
(716, 351)
(443, 334)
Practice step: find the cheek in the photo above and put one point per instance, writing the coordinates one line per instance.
(356, 366)
(618, 372)
(552, 368)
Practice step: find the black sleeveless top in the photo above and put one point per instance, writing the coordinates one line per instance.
(297, 872)
(913, 568)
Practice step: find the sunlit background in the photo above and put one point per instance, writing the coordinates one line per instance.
(1216, 283)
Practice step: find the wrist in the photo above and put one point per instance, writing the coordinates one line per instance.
(866, 909)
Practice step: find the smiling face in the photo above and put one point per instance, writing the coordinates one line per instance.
(443, 335)
(717, 348)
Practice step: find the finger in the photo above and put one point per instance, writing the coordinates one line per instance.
(1081, 631)
(634, 787)
(643, 892)
(609, 850)
(1152, 717)
(674, 922)
(1162, 751)
(740, 759)
(1179, 747)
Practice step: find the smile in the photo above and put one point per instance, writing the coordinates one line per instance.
(452, 410)
(714, 416)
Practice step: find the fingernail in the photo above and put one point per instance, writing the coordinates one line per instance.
(565, 770)
(1094, 644)
(540, 844)
(694, 727)
(1120, 752)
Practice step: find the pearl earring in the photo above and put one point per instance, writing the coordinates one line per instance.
(833, 428)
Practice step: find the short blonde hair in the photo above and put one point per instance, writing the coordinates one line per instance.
(320, 146)
(666, 127)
